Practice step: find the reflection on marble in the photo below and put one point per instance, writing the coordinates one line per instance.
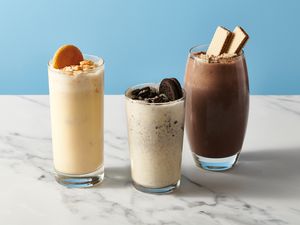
(262, 189)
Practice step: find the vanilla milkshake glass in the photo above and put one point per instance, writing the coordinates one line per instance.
(76, 105)
(155, 136)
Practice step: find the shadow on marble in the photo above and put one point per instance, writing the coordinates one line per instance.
(262, 173)
(272, 164)
(116, 177)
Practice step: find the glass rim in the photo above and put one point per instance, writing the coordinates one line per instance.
(205, 46)
(152, 103)
(99, 59)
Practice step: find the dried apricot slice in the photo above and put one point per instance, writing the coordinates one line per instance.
(67, 55)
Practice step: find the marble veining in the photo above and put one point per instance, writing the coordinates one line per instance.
(263, 188)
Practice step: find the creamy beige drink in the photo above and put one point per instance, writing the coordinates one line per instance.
(76, 102)
(155, 135)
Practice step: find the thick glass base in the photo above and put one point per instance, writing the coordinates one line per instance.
(80, 181)
(215, 164)
(162, 190)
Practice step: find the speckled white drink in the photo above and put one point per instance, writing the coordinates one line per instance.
(155, 133)
(76, 103)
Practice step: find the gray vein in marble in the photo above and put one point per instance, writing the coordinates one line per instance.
(222, 200)
(288, 99)
(279, 104)
(32, 100)
(12, 141)
(114, 146)
(107, 207)
(16, 147)
(30, 137)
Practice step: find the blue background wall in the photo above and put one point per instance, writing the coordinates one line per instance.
(144, 41)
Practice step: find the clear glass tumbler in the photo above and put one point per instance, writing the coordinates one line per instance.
(76, 105)
(155, 136)
(217, 102)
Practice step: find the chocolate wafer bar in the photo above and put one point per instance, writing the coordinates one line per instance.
(220, 41)
(239, 39)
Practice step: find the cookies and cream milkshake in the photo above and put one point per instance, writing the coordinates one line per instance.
(76, 103)
(155, 118)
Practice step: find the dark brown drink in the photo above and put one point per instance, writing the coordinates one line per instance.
(217, 105)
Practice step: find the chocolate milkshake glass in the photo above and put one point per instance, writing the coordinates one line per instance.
(217, 102)
(76, 105)
(155, 136)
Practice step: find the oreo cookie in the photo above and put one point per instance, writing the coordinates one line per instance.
(145, 93)
(135, 92)
(171, 88)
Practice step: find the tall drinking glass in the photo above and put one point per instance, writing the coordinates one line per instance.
(76, 105)
(217, 105)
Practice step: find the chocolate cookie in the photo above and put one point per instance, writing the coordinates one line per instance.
(171, 88)
(145, 93)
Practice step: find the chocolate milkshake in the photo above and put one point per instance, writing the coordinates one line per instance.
(217, 102)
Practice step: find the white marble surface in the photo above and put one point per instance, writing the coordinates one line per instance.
(264, 188)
